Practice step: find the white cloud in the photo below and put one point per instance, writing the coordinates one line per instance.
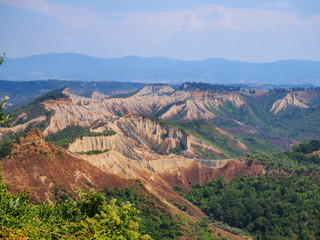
(70, 15)
(191, 21)
(194, 23)
(225, 18)
(209, 18)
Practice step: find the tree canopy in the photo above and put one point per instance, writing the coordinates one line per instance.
(90, 217)
(3, 120)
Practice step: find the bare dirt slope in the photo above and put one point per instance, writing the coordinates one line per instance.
(41, 168)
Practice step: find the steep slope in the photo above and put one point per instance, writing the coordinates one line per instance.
(257, 120)
(47, 171)
(50, 173)
(161, 101)
(152, 136)
(279, 116)
(300, 99)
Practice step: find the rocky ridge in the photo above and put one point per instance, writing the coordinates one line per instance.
(300, 99)
(151, 100)
(138, 136)
(293, 99)
(157, 100)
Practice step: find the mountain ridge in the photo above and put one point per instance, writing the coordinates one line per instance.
(74, 66)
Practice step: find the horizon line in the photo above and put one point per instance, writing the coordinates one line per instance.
(154, 57)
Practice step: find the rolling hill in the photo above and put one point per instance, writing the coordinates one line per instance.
(72, 66)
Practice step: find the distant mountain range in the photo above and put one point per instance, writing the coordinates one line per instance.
(73, 66)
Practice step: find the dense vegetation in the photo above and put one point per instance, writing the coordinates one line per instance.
(298, 158)
(155, 218)
(91, 217)
(70, 133)
(95, 216)
(306, 148)
(266, 206)
(207, 87)
(301, 124)
(5, 147)
(269, 207)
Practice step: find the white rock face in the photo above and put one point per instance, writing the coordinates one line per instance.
(155, 90)
(132, 132)
(296, 99)
(131, 147)
(164, 100)
(137, 139)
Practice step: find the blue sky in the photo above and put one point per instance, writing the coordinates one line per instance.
(246, 30)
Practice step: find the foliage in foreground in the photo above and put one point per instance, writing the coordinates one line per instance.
(91, 217)
(156, 220)
(269, 207)
(3, 119)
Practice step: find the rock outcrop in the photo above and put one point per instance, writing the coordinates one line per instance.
(298, 99)
(138, 136)
(161, 100)
(155, 90)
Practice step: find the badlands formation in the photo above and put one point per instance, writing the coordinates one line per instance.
(141, 148)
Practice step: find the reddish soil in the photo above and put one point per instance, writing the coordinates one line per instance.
(40, 167)
(201, 174)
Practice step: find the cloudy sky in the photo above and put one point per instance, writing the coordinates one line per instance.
(246, 30)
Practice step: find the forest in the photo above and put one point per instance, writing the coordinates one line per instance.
(283, 204)
(267, 207)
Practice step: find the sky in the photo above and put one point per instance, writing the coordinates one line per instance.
(246, 30)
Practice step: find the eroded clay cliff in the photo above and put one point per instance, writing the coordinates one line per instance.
(299, 99)
(160, 100)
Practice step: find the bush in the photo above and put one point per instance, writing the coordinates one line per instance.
(91, 217)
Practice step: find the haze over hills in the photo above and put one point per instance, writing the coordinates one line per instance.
(73, 66)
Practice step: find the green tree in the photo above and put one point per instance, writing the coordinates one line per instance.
(90, 217)
(3, 120)
(1, 58)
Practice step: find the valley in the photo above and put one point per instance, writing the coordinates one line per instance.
(160, 144)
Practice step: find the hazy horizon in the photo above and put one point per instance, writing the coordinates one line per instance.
(127, 56)
(249, 31)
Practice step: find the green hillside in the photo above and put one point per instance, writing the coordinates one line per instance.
(265, 206)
